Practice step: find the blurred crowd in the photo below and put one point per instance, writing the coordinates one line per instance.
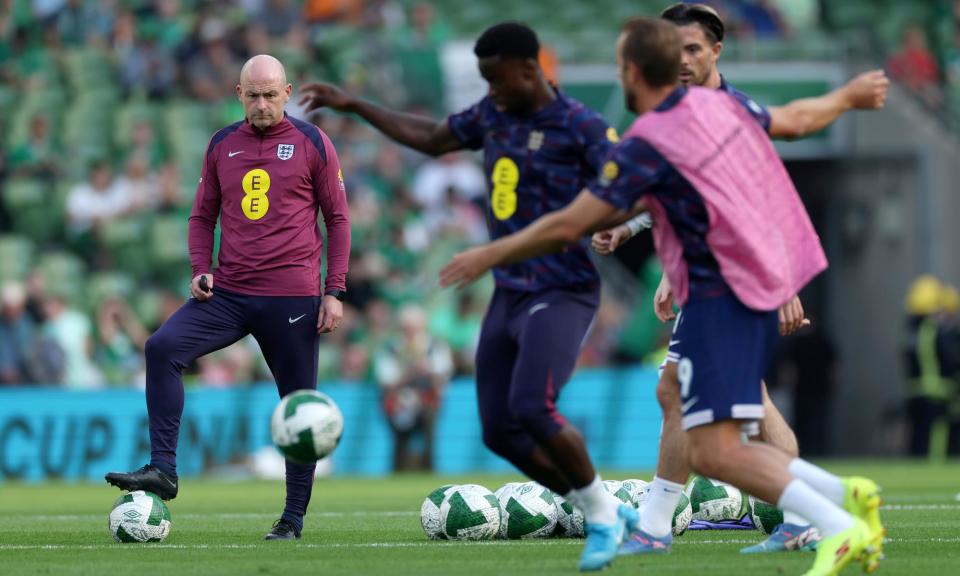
(112, 105)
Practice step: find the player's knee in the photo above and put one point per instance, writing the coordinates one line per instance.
(536, 419)
(158, 347)
(497, 439)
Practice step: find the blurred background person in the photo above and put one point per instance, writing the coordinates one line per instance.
(932, 361)
(412, 370)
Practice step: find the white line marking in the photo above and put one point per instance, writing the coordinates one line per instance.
(555, 542)
(357, 514)
(226, 516)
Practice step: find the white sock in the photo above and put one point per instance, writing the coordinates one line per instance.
(819, 479)
(656, 517)
(800, 498)
(794, 518)
(598, 505)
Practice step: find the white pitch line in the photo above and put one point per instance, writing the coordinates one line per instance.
(363, 514)
(557, 542)
(224, 516)
(920, 507)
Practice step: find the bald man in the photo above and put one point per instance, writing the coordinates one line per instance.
(267, 178)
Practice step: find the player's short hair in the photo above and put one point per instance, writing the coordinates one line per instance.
(508, 40)
(654, 46)
(683, 14)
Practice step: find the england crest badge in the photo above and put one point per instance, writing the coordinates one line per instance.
(285, 151)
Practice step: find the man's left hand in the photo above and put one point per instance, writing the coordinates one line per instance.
(331, 313)
(466, 267)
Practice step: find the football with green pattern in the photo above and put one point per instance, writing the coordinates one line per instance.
(306, 426)
(529, 511)
(430, 513)
(470, 512)
(139, 517)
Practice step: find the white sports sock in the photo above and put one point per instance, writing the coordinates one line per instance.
(795, 519)
(656, 517)
(800, 498)
(819, 479)
(598, 505)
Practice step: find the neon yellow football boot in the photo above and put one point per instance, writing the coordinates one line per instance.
(835, 552)
(862, 499)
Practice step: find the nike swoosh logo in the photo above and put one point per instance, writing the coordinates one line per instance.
(232, 154)
(537, 308)
(689, 404)
(294, 320)
(672, 343)
(174, 484)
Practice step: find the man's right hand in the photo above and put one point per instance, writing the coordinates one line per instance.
(606, 242)
(199, 294)
(320, 95)
(663, 301)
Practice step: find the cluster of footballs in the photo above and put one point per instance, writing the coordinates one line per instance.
(522, 510)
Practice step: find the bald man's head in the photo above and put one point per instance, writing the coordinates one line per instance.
(263, 90)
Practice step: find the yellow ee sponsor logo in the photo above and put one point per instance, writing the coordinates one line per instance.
(612, 135)
(256, 184)
(610, 171)
(505, 177)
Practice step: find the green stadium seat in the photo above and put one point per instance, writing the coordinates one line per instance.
(64, 274)
(126, 241)
(168, 239)
(16, 257)
(37, 212)
(89, 69)
(103, 285)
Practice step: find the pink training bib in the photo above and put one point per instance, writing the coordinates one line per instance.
(759, 232)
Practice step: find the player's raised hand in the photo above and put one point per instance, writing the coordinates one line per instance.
(792, 317)
(606, 242)
(465, 267)
(868, 91)
(201, 287)
(319, 95)
(663, 301)
(331, 313)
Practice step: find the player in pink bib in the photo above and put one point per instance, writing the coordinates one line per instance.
(696, 159)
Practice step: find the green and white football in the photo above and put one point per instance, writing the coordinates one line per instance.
(634, 488)
(430, 513)
(470, 512)
(615, 487)
(569, 519)
(682, 515)
(139, 517)
(528, 511)
(765, 516)
(715, 501)
(306, 426)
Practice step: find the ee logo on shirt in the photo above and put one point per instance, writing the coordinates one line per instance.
(256, 184)
(505, 177)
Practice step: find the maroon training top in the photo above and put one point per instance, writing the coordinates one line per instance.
(268, 187)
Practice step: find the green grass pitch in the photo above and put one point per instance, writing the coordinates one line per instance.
(371, 526)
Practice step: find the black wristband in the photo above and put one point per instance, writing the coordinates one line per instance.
(338, 294)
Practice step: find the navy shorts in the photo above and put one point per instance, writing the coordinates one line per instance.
(722, 350)
(528, 348)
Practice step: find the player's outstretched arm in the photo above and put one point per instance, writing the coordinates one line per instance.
(803, 117)
(418, 132)
(548, 234)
